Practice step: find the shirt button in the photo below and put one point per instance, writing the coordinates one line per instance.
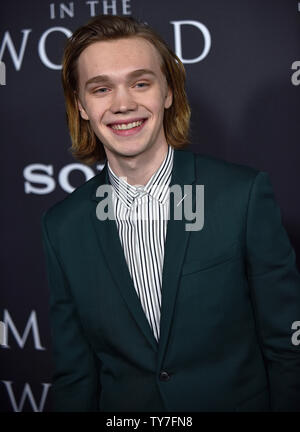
(164, 376)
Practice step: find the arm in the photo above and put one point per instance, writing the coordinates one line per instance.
(75, 379)
(275, 293)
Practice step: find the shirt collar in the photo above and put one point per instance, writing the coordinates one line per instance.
(156, 187)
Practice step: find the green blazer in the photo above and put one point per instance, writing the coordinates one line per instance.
(230, 293)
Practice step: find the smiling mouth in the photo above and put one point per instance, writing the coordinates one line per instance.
(127, 125)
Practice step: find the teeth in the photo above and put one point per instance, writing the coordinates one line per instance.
(126, 126)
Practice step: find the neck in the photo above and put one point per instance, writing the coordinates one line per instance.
(140, 168)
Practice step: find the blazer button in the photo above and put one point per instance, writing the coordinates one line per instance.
(164, 376)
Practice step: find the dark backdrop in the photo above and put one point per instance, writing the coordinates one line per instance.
(243, 74)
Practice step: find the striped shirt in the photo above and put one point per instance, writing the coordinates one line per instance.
(141, 214)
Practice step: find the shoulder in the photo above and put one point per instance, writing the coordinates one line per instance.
(213, 169)
(229, 182)
(213, 165)
(73, 205)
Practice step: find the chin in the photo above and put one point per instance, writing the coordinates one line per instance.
(132, 150)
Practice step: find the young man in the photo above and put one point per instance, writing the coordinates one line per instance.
(147, 315)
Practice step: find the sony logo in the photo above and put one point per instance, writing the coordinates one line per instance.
(39, 178)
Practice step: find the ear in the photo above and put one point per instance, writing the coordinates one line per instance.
(82, 111)
(169, 98)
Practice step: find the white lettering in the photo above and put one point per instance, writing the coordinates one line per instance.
(104, 209)
(7, 42)
(63, 176)
(198, 215)
(31, 325)
(63, 9)
(42, 45)
(178, 45)
(126, 6)
(100, 166)
(33, 177)
(3, 334)
(52, 11)
(295, 78)
(27, 393)
(296, 335)
(112, 7)
(92, 7)
(45, 177)
(2, 73)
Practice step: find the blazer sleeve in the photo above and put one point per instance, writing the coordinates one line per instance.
(75, 380)
(275, 292)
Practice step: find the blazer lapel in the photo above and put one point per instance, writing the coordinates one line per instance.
(110, 245)
(176, 242)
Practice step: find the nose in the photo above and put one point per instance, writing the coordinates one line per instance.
(123, 101)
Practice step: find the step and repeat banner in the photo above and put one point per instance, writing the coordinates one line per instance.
(243, 82)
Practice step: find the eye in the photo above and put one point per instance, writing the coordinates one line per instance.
(141, 84)
(101, 90)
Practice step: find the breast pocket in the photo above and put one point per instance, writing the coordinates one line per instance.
(199, 264)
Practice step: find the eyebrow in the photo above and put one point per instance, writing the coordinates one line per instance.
(133, 74)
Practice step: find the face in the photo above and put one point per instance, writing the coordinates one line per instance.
(123, 94)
